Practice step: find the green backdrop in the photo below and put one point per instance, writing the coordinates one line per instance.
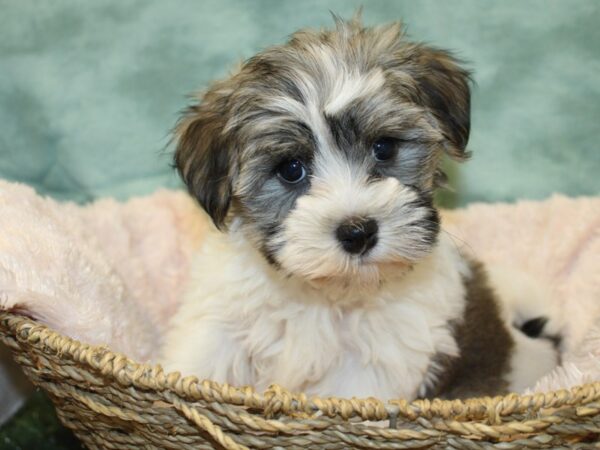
(90, 90)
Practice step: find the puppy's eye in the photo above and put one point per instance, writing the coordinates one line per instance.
(291, 171)
(385, 148)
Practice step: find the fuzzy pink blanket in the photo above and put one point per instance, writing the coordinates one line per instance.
(112, 273)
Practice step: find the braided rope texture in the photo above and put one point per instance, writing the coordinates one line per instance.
(111, 402)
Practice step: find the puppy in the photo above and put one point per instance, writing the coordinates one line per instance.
(326, 272)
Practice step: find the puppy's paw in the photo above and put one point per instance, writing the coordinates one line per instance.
(527, 303)
(534, 327)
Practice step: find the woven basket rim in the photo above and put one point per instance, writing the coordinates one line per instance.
(277, 400)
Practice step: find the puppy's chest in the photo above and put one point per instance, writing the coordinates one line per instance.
(286, 333)
(383, 351)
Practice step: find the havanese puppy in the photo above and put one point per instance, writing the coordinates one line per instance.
(326, 273)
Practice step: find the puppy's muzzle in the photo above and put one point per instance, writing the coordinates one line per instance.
(357, 235)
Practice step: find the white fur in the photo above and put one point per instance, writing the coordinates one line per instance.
(242, 322)
(340, 191)
(531, 360)
(351, 86)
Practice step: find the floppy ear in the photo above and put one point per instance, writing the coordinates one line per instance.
(205, 157)
(444, 89)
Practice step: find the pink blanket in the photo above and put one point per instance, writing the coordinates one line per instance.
(112, 273)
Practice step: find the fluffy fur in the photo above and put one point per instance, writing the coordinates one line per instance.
(260, 326)
(361, 118)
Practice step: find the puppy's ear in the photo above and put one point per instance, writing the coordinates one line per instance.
(205, 157)
(444, 88)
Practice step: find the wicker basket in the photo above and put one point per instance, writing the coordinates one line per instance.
(112, 402)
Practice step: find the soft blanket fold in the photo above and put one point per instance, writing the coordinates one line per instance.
(111, 273)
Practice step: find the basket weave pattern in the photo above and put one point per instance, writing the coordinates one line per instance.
(110, 401)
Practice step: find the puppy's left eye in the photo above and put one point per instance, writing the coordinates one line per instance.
(385, 148)
(291, 171)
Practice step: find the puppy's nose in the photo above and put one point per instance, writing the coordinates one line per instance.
(357, 235)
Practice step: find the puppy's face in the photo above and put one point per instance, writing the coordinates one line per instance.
(325, 150)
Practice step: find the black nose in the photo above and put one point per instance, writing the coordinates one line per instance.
(357, 235)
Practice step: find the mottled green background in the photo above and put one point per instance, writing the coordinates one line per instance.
(90, 89)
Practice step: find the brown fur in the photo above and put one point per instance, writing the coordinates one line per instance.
(484, 343)
(203, 154)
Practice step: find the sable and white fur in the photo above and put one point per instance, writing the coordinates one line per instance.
(274, 297)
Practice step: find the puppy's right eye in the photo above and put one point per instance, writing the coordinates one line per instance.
(291, 171)
(385, 148)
